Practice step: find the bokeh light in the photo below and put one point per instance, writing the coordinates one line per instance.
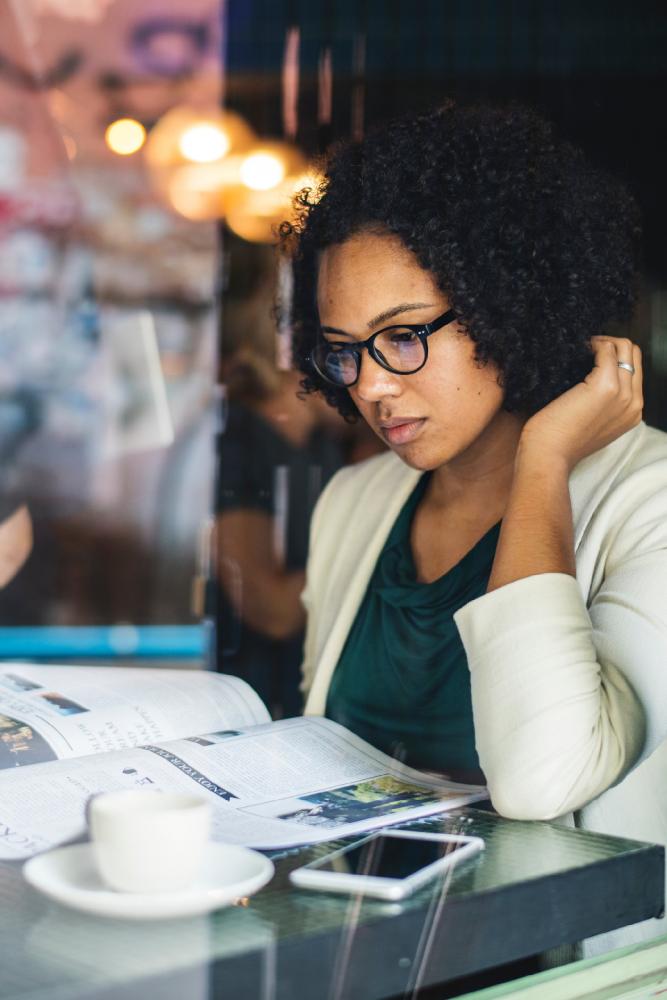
(256, 215)
(125, 136)
(204, 143)
(207, 163)
(262, 170)
(193, 155)
(187, 134)
(197, 191)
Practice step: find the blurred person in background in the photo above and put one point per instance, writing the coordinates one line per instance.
(276, 452)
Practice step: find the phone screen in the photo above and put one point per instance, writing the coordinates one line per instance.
(385, 856)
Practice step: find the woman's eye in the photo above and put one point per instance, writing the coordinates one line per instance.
(403, 336)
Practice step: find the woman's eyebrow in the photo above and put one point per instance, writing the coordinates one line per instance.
(396, 311)
(381, 317)
(334, 329)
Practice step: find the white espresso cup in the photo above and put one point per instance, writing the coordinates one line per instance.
(149, 841)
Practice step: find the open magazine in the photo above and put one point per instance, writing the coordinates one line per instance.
(67, 733)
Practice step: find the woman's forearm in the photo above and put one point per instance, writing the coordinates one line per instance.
(537, 533)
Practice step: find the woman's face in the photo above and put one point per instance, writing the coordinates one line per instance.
(450, 407)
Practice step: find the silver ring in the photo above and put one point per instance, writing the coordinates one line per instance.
(626, 365)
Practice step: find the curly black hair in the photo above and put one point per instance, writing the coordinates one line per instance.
(535, 249)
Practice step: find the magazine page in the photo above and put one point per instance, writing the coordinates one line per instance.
(52, 712)
(297, 781)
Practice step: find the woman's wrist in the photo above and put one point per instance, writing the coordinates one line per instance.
(537, 455)
(536, 534)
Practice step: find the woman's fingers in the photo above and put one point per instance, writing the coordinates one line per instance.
(591, 415)
(611, 355)
(605, 373)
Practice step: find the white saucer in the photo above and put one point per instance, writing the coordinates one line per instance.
(69, 875)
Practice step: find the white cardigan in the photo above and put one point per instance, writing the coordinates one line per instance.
(568, 677)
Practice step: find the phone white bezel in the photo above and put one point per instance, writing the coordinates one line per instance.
(312, 877)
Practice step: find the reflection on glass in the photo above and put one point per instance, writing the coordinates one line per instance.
(107, 314)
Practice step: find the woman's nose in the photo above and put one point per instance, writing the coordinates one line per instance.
(374, 381)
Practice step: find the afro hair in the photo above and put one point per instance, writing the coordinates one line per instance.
(535, 249)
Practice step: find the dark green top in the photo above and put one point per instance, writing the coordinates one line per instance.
(402, 681)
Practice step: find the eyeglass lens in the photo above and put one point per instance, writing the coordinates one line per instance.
(398, 349)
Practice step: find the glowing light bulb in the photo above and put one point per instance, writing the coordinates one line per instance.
(262, 171)
(203, 143)
(125, 136)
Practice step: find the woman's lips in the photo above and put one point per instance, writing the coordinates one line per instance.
(404, 432)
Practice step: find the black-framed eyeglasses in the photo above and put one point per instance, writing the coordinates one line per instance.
(402, 350)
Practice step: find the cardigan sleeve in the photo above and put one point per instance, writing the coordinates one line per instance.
(556, 720)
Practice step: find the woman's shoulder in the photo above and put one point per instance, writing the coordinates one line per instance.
(643, 482)
(640, 462)
(651, 446)
(621, 494)
(639, 454)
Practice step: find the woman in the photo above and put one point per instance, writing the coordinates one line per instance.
(489, 596)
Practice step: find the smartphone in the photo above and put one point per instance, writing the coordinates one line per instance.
(390, 865)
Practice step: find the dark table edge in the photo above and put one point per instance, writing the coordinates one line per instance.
(469, 934)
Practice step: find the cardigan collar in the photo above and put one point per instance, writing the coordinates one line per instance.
(357, 565)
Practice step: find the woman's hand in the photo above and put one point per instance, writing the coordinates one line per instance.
(593, 413)
(537, 534)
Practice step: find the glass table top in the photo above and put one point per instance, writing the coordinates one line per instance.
(48, 951)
